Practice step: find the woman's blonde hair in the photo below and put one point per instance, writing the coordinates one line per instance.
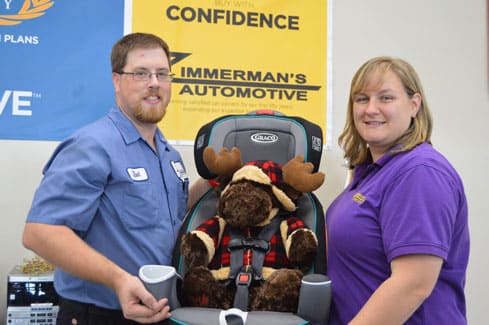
(419, 131)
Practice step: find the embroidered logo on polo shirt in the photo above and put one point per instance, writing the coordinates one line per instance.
(137, 174)
(359, 198)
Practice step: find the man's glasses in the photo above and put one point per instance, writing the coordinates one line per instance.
(143, 75)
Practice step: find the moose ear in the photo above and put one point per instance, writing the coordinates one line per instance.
(225, 163)
(298, 174)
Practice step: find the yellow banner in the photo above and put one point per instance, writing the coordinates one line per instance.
(233, 57)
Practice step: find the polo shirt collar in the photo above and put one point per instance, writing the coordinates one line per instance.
(127, 129)
(368, 167)
(384, 159)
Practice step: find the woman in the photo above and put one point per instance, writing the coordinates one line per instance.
(398, 243)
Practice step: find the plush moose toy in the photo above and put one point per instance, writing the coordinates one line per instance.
(229, 260)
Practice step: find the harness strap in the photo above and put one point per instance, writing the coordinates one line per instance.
(236, 249)
(259, 252)
(244, 276)
(243, 281)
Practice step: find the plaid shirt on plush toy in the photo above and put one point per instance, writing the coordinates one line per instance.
(276, 258)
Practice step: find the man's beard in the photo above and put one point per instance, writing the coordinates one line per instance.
(150, 115)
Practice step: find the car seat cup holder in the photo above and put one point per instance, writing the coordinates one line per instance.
(161, 281)
(314, 288)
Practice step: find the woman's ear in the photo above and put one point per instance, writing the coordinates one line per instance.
(416, 100)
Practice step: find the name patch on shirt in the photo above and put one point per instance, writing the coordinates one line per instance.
(179, 170)
(137, 174)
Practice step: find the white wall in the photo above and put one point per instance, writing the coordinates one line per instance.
(446, 41)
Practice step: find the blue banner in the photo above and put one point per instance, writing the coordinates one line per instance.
(55, 73)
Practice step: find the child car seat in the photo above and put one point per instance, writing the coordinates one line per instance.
(261, 135)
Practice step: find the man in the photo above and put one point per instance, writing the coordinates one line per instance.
(113, 197)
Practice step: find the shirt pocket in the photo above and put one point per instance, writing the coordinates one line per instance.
(140, 206)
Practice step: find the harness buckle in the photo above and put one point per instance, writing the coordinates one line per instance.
(244, 279)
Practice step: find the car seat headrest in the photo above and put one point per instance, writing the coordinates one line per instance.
(260, 135)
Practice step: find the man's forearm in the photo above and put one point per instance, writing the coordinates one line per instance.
(60, 246)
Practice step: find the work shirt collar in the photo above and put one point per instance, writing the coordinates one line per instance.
(128, 131)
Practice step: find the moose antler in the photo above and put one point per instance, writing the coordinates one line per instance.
(225, 163)
(298, 174)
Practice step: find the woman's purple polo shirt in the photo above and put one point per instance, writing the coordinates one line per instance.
(407, 203)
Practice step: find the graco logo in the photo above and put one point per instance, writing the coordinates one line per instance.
(263, 137)
(30, 9)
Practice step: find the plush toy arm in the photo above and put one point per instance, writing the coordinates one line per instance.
(194, 251)
(300, 243)
(198, 247)
(303, 248)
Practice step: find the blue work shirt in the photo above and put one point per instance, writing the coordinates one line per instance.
(120, 196)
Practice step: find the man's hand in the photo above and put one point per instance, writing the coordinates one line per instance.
(138, 304)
